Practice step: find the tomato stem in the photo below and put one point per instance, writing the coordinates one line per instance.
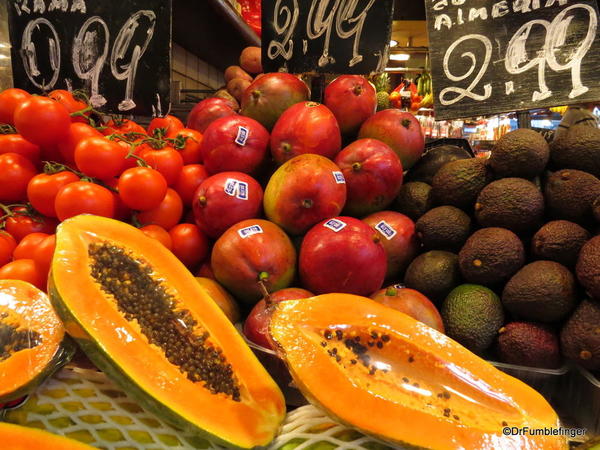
(6, 128)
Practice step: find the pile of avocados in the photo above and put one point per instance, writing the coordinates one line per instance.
(511, 246)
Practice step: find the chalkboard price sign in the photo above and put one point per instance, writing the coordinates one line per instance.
(497, 56)
(326, 36)
(119, 52)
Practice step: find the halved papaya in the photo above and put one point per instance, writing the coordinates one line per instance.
(16, 437)
(390, 376)
(32, 339)
(142, 318)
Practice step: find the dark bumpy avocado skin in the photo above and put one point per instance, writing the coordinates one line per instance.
(560, 241)
(459, 183)
(596, 209)
(521, 153)
(570, 194)
(491, 256)
(579, 149)
(580, 337)
(512, 203)
(472, 315)
(528, 344)
(434, 274)
(414, 199)
(542, 291)
(588, 267)
(444, 228)
(432, 161)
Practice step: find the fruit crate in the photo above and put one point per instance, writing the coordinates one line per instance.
(582, 395)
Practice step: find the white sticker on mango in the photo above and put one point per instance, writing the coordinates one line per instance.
(339, 177)
(250, 231)
(335, 225)
(386, 229)
(242, 136)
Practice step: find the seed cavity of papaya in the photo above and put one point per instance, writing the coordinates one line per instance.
(13, 340)
(142, 298)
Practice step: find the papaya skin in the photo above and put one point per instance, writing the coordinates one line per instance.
(16, 437)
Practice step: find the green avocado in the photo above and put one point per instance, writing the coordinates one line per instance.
(433, 160)
(528, 344)
(414, 199)
(580, 337)
(588, 267)
(443, 228)
(560, 241)
(543, 291)
(434, 274)
(512, 203)
(521, 153)
(578, 149)
(472, 316)
(458, 183)
(491, 256)
(570, 194)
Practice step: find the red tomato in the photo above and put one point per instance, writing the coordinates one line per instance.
(77, 133)
(21, 223)
(122, 126)
(122, 211)
(167, 161)
(188, 145)
(158, 233)
(42, 190)
(101, 158)
(15, 173)
(190, 178)
(190, 245)
(24, 270)
(28, 244)
(142, 188)
(72, 104)
(44, 252)
(83, 197)
(169, 126)
(167, 214)
(42, 121)
(15, 143)
(9, 100)
(7, 247)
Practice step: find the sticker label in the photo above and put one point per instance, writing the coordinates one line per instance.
(386, 229)
(398, 286)
(236, 188)
(242, 190)
(339, 177)
(231, 186)
(242, 136)
(250, 231)
(335, 225)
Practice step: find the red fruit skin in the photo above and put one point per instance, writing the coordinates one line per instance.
(167, 214)
(412, 303)
(48, 186)
(20, 224)
(352, 99)
(270, 95)
(238, 262)
(77, 132)
(223, 151)
(15, 143)
(207, 111)
(24, 270)
(215, 210)
(9, 100)
(38, 110)
(190, 178)
(206, 271)
(167, 161)
(350, 260)
(373, 175)
(86, 201)
(402, 247)
(134, 195)
(98, 157)
(400, 130)
(17, 173)
(189, 244)
(305, 127)
(303, 192)
(256, 325)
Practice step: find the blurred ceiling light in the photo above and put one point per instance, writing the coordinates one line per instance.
(393, 43)
(400, 57)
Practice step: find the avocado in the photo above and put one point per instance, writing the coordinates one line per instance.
(512, 203)
(458, 183)
(560, 241)
(414, 199)
(433, 160)
(570, 193)
(443, 228)
(491, 256)
(521, 153)
(578, 149)
(596, 209)
(543, 291)
(580, 337)
(472, 316)
(528, 344)
(588, 267)
(434, 274)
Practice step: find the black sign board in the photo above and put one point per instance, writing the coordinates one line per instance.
(118, 51)
(326, 36)
(497, 56)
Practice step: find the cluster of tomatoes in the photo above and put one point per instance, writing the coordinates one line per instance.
(59, 158)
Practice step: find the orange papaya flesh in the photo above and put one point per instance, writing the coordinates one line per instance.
(32, 339)
(390, 376)
(16, 437)
(142, 318)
